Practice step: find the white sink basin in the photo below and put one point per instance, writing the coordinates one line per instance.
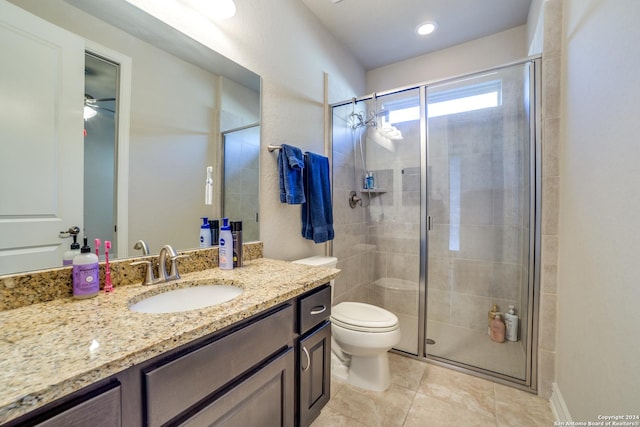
(185, 299)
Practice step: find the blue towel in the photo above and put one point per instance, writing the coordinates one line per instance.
(317, 212)
(290, 166)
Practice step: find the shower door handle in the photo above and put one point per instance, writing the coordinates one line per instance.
(429, 223)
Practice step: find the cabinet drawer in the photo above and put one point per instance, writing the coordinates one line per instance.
(179, 384)
(314, 309)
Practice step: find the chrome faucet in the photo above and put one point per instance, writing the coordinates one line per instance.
(167, 250)
(163, 276)
(142, 245)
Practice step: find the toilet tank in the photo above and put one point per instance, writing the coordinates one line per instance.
(320, 261)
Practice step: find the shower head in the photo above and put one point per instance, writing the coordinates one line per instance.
(355, 120)
(359, 120)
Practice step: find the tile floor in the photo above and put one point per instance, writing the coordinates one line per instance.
(426, 395)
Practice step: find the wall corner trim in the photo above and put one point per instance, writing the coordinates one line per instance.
(558, 405)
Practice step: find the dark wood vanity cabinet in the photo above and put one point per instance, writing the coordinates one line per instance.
(214, 382)
(272, 369)
(314, 350)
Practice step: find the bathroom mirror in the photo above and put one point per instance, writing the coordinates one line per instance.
(182, 98)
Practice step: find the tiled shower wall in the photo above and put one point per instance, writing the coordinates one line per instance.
(394, 213)
(350, 225)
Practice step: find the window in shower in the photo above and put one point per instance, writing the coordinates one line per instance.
(467, 98)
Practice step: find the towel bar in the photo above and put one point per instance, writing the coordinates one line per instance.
(272, 148)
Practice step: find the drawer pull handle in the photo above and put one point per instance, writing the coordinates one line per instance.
(318, 309)
(306, 353)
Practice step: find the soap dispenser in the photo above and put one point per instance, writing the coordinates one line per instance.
(85, 273)
(225, 246)
(67, 258)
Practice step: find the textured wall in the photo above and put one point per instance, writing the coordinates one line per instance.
(598, 369)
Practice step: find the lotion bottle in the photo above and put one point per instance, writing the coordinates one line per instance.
(225, 246)
(67, 258)
(205, 233)
(85, 273)
(511, 322)
(497, 329)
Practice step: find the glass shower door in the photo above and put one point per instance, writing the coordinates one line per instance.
(478, 205)
(392, 158)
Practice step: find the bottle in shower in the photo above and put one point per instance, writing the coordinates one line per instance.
(490, 316)
(497, 329)
(511, 322)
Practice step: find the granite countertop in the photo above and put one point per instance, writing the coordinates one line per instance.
(51, 349)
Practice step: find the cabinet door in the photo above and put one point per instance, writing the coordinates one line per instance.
(176, 386)
(315, 373)
(266, 398)
(102, 410)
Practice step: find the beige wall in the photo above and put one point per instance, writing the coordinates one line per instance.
(465, 58)
(598, 368)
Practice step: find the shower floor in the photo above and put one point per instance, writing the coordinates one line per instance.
(475, 348)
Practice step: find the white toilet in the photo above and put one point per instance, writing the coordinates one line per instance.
(362, 334)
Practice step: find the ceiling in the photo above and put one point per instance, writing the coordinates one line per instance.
(381, 32)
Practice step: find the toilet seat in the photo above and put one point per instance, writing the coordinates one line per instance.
(357, 316)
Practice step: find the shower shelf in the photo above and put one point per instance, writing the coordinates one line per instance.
(373, 190)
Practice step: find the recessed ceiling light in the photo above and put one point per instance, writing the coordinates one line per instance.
(426, 28)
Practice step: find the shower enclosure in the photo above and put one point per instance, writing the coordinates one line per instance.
(447, 230)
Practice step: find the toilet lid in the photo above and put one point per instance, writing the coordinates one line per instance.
(363, 317)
